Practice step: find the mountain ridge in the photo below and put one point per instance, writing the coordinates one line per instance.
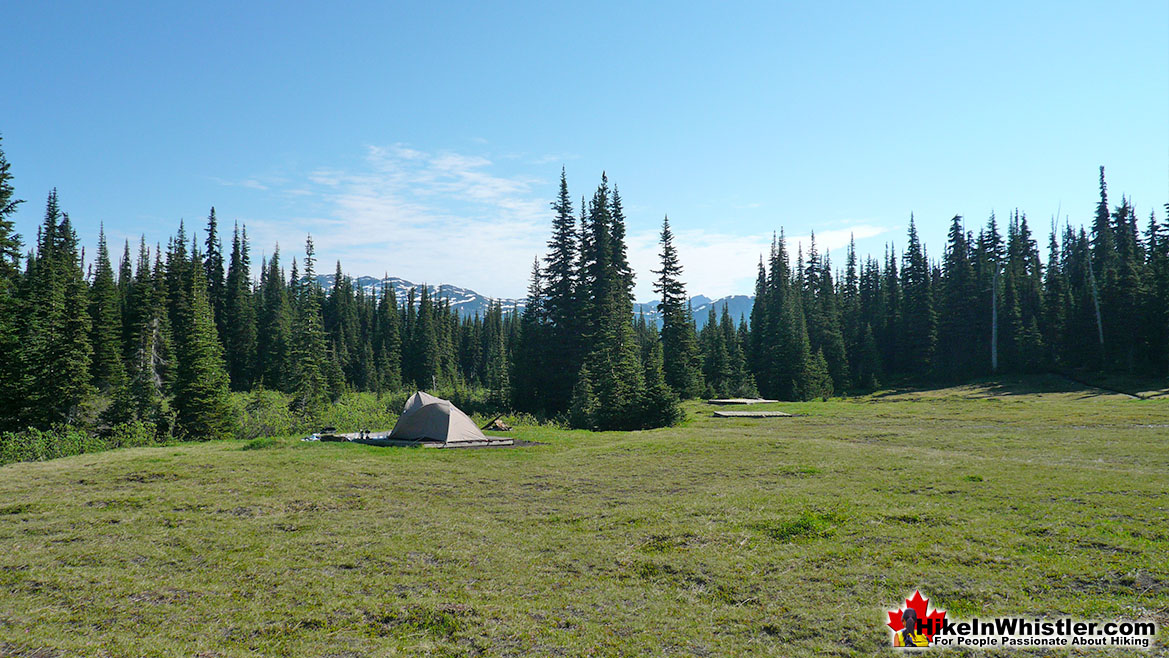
(467, 302)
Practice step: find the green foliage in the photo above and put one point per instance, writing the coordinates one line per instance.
(108, 371)
(202, 404)
(34, 444)
(816, 381)
(682, 364)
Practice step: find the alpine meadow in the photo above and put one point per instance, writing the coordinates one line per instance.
(782, 383)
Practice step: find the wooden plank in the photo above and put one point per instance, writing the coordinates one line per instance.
(751, 414)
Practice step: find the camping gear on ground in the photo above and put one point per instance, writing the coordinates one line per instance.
(425, 421)
(436, 423)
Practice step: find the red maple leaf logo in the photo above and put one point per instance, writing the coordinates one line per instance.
(931, 620)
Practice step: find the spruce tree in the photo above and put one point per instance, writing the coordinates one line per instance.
(202, 402)
(497, 379)
(150, 356)
(239, 315)
(309, 357)
(274, 341)
(388, 340)
(11, 373)
(214, 273)
(107, 370)
(54, 349)
(919, 333)
(615, 366)
(715, 362)
(682, 364)
(531, 363)
(561, 310)
(957, 306)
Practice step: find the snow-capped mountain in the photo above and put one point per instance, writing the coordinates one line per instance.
(468, 302)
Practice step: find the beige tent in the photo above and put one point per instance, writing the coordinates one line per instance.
(427, 419)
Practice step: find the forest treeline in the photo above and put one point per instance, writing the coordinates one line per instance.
(160, 336)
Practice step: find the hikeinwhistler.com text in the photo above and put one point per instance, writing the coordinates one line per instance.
(1007, 632)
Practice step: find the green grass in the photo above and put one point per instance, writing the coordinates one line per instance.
(778, 536)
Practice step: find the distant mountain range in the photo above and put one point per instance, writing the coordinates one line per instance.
(467, 302)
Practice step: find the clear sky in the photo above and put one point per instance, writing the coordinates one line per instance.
(426, 139)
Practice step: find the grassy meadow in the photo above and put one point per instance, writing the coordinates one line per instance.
(777, 536)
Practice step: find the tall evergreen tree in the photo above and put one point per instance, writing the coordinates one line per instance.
(957, 306)
(388, 340)
(106, 367)
(531, 363)
(202, 401)
(214, 273)
(11, 373)
(919, 333)
(274, 341)
(309, 358)
(54, 342)
(681, 362)
(239, 315)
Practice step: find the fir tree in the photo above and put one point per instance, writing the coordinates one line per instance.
(239, 315)
(388, 340)
(919, 333)
(531, 367)
(202, 401)
(957, 305)
(214, 273)
(681, 362)
(106, 367)
(11, 373)
(309, 358)
(54, 350)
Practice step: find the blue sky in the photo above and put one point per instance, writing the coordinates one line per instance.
(426, 139)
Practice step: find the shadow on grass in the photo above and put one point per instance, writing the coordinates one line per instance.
(1019, 385)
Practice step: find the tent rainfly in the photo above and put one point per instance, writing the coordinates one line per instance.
(427, 419)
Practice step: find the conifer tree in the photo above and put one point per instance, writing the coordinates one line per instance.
(615, 369)
(239, 315)
(54, 326)
(658, 403)
(309, 358)
(150, 356)
(11, 373)
(201, 400)
(681, 362)
(715, 362)
(1055, 300)
(919, 333)
(424, 345)
(274, 343)
(958, 304)
(214, 273)
(561, 309)
(388, 340)
(497, 379)
(106, 367)
(531, 376)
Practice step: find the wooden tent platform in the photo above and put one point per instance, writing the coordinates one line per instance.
(751, 414)
(740, 401)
